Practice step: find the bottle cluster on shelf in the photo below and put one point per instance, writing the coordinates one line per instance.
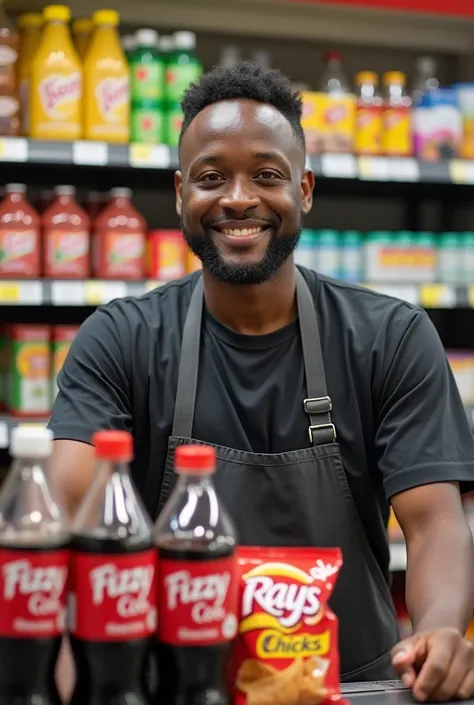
(385, 256)
(87, 85)
(385, 117)
(107, 239)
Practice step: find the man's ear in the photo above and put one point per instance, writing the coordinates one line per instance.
(178, 188)
(307, 186)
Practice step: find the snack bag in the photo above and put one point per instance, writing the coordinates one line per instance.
(287, 650)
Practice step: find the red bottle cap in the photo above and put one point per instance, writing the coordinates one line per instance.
(195, 459)
(113, 445)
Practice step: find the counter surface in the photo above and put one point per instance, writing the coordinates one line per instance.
(380, 693)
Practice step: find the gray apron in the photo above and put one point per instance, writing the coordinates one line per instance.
(298, 498)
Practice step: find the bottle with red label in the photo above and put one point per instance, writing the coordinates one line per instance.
(119, 239)
(34, 544)
(20, 254)
(66, 238)
(112, 601)
(197, 587)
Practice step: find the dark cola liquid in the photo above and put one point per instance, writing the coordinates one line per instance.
(111, 673)
(193, 675)
(27, 665)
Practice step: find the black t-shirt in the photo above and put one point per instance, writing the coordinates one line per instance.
(399, 417)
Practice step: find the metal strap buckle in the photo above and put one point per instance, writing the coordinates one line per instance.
(319, 405)
(330, 426)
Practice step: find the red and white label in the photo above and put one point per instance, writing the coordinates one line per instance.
(32, 593)
(112, 597)
(197, 601)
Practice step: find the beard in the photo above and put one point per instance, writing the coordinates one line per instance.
(279, 249)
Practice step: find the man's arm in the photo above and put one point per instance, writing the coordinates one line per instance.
(70, 469)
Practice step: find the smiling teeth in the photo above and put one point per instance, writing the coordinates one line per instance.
(241, 233)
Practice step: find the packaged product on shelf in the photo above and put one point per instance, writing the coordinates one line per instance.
(425, 79)
(182, 68)
(31, 27)
(106, 83)
(328, 253)
(424, 258)
(351, 256)
(467, 257)
(29, 378)
(305, 252)
(437, 126)
(20, 251)
(368, 129)
(449, 258)
(465, 98)
(119, 236)
(82, 33)
(402, 256)
(9, 99)
(147, 71)
(192, 262)
(56, 81)
(66, 238)
(166, 255)
(62, 337)
(462, 365)
(328, 117)
(379, 257)
(397, 116)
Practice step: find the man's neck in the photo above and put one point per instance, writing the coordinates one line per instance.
(253, 309)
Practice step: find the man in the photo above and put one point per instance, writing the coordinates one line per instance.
(326, 402)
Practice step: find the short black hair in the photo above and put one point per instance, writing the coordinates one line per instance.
(244, 80)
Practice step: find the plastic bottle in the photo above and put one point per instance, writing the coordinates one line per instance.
(425, 80)
(397, 116)
(66, 238)
(106, 83)
(20, 253)
(449, 258)
(56, 81)
(351, 256)
(33, 573)
(82, 29)
(182, 69)
(112, 582)
(333, 80)
(305, 253)
(368, 132)
(119, 239)
(30, 26)
(329, 253)
(468, 258)
(329, 115)
(196, 543)
(147, 83)
(9, 100)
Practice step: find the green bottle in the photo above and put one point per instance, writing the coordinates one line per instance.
(182, 69)
(147, 83)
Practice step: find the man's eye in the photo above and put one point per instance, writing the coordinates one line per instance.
(267, 175)
(211, 177)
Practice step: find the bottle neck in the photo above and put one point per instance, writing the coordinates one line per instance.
(192, 480)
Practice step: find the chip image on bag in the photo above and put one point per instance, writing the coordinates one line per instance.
(286, 652)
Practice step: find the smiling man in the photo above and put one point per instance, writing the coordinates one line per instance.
(326, 402)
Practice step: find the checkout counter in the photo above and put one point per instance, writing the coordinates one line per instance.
(380, 693)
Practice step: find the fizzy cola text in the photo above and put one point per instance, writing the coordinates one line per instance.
(206, 593)
(131, 588)
(45, 585)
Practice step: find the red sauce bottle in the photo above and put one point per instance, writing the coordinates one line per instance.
(119, 239)
(66, 237)
(20, 253)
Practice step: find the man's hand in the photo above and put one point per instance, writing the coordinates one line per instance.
(436, 664)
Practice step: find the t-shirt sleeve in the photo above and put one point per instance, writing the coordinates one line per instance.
(94, 384)
(423, 435)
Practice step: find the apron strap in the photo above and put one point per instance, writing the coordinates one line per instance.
(317, 405)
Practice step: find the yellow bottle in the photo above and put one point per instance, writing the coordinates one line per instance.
(81, 34)
(56, 81)
(30, 26)
(106, 83)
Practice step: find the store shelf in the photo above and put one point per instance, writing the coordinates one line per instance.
(94, 292)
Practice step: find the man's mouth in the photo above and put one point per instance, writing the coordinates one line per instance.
(241, 232)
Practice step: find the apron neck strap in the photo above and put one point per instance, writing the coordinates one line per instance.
(317, 405)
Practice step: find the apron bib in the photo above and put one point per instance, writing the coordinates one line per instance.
(298, 498)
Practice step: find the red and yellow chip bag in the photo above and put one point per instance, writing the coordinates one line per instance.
(286, 652)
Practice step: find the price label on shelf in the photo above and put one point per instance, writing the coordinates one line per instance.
(67, 293)
(101, 292)
(461, 171)
(437, 296)
(339, 166)
(470, 296)
(150, 156)
(374, 168)
(13, 149)
(90, 153)
(404, 169)
(10, 292)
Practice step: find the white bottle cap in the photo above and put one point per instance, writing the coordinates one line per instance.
(65, 190)
(15, 188)
(121, 192)
(185, 40)
(31, 441)
(146, 38)
(166, 43)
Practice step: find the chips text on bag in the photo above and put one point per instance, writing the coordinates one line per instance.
(287, 651)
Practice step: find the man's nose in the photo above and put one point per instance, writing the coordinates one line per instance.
(239, 196)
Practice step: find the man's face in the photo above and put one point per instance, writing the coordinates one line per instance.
(242, 190)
